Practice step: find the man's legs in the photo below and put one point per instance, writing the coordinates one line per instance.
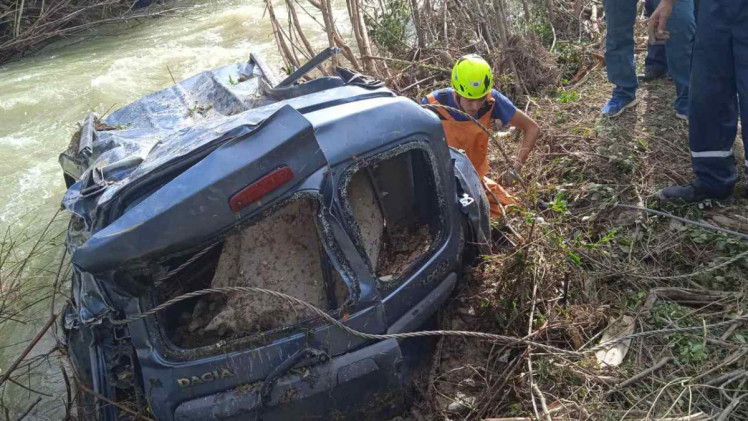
(655, 64)
(682, 27)
(713, 113)
(620, 16)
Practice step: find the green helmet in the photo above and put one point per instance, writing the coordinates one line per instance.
(472, 77)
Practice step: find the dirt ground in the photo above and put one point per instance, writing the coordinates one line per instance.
(583, 262)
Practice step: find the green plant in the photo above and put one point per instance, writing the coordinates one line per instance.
(559, 205)
(689, 349)
(389, 29)
(566, 96)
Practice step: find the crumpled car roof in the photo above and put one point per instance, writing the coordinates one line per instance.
(163, 127)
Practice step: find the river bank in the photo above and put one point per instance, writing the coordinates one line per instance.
(28, 25)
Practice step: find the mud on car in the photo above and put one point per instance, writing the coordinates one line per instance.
(335, 191)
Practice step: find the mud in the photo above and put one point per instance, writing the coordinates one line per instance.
(390, 249)
(282, 253)
(368, 215)
(404, 246)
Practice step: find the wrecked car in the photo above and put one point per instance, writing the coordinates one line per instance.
(335, 191)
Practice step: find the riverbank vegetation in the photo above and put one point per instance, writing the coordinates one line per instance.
(33, 270)
(589, 259)
(26, 25)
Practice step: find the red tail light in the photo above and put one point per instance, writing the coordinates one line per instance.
(260, 188)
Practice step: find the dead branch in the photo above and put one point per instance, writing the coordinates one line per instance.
(643, 374)
(28, 349)
(121, 407)
(288, 56)
(30, 408)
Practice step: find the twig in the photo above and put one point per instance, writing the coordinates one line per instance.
(727, 376)
(543, 405)
(731, 407)
(39, 399)
(730, 330)
(171, 75)
(641, 375)
(412, 63)
(28, 349)
(111, 402)
(68, 393)
(21, 385)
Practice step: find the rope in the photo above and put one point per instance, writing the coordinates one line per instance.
(507, 340)
(698, 224)
(686, 221)
(224, 290)
(691, 275)
(188, 262)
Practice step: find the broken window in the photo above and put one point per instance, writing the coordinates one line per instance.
(396, 209)
(281, 252)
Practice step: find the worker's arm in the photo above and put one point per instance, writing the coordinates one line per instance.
(530, 131)
(657, 25)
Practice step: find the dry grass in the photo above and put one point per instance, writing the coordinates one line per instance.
(583, 262)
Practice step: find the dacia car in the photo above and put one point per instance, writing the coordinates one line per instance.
(333, 190)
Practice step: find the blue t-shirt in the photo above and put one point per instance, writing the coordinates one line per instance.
(503, 109)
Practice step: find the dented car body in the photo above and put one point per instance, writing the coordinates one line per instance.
(335, 191)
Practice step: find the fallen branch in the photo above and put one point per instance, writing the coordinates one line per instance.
(543, 404)
(111, 402)
(636, 378)
(36, 402)
(28, 349)
(731, 407)
(412, 63)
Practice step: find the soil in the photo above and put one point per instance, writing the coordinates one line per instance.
(368, 215)
(403, 246)
(281, 253)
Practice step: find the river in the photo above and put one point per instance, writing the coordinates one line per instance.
(45, 95)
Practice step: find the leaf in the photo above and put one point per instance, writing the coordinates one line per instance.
(574, 258)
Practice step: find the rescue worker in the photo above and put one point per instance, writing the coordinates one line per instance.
(718, 77)
(471, 92)
(620, 63)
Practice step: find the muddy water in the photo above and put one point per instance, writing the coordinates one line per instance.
(42, 97)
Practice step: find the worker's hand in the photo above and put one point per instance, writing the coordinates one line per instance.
(510, 178)
(657, 25)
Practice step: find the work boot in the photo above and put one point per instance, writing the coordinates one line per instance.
(651, 74)
(616, 106)
(687, 194)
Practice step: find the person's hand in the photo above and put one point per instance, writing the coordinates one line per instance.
(510, 178)
(657, 25)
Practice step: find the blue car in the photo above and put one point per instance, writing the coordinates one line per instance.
(335, 191)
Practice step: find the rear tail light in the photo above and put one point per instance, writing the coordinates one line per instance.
(260, 188)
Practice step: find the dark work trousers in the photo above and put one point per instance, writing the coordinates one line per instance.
(719, 84)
